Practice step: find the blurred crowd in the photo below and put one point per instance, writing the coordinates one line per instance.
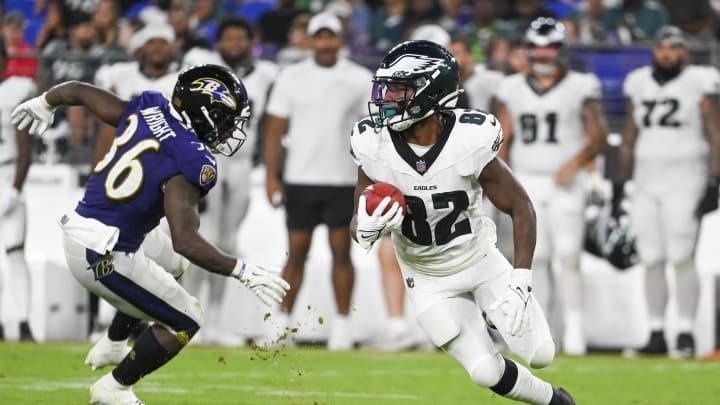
(56, 40)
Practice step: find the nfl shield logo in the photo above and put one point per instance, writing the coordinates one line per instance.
(420, 166)
(207, 175)
(410, 282)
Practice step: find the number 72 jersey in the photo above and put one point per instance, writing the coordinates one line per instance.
(444, 230)
(668, 116)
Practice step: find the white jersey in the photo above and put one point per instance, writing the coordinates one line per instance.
(547, 125)
(668, 116)
(13, 91)
(257, 80)
(444, 230)
(126, 80)
(482, 86)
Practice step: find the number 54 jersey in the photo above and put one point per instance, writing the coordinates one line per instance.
(125, 189)
(444, 230)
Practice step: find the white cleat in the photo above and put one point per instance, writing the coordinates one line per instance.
(398, 336)
(107, 391)
(106, 353)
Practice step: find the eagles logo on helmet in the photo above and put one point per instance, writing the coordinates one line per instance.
(213, 102)
(414, 80)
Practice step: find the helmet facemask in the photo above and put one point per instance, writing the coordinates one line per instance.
(396, 106)
(221, 133)
(545, 60)
(394, 100)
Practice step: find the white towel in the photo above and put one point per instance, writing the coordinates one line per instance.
(89, 232)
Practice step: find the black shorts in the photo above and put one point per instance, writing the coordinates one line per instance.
(308, 206)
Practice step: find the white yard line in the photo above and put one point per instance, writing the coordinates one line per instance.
(40, 385)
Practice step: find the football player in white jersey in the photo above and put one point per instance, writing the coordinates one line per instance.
(153, 69)
(443, 159)
(671, 149)
(14, 163)
(227, 208)
(554, 125)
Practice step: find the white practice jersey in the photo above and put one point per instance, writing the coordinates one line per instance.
(482, 86)
(444, 230)
(547, 125)
(126, 80)
(13, 91)
(257, 81)
(668, 116)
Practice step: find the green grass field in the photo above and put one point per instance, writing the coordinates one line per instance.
(55, 374)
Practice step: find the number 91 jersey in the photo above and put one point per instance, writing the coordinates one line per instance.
(547, 124)
(668, 116)
(126, 187)
(444, 230)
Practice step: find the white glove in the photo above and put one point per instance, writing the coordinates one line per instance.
(514, 300)
(265, 283)
(371, 227)
(10, 197)
(35, 111)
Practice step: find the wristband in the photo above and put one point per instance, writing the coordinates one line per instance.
(239, 269)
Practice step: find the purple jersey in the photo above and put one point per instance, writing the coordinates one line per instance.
(125, 189)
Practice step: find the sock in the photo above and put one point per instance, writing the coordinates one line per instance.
(341, 321)
(20, 282)
(121, 326)
(542, 285)
(656, 291)
(687, 288)
(146, 356)
(518, 383)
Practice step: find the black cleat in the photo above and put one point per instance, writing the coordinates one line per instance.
(25, 332)
(685, 345)
(2, 333)
(561, 397)
(656, 345)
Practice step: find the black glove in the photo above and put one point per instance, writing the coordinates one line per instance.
(709, 201)
(618, 195)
